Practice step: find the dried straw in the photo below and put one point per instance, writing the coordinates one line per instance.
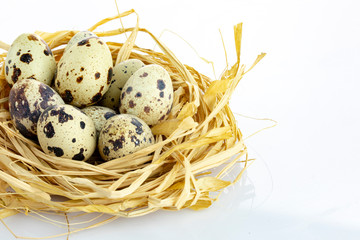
(174, 173)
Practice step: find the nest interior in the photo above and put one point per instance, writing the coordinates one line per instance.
(174, 173)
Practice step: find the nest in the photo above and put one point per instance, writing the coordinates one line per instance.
(200, 135)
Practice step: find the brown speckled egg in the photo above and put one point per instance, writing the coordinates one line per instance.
(123, 134)
(78, 37)
(29, 57)
(121, 73)
(28, 98)
(99, 115)
(148, 94)
(65, 131)
(84, 72)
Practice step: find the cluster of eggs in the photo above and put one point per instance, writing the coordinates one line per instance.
(83, 102)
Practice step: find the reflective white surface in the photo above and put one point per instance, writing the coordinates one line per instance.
(305, 181)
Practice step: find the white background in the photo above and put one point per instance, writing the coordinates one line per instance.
(305, 181)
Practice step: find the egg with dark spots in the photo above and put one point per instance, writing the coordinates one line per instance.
(65, 131)
(122, 135)
(29, 56)
(99, 115)
(78, 37)
(121, 73)
(28, 98)
(82, 73)
(148, 94)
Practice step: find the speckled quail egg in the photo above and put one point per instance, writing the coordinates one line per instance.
(29, 57)
(84, 72)
(121, 73)
(99, 115)
(78, 37)
(28, 98)
(148, 94)
(65, 131)
(123, 134)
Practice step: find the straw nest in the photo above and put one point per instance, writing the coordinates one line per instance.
(175, 173)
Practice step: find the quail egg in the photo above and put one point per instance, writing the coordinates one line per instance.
(99, 115)
(28, 98)
(148, 94)
(84, 72)
(65, 131)
(122, 135)
(78, 37)
(121, 73)
(29, 57)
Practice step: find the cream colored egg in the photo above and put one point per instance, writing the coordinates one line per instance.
(30, 57)
(28, 98)
(78, 37)
(64, 131)
(148, 94)
(122, 135)
(99, 115)
(84, 72)
(121, 73)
